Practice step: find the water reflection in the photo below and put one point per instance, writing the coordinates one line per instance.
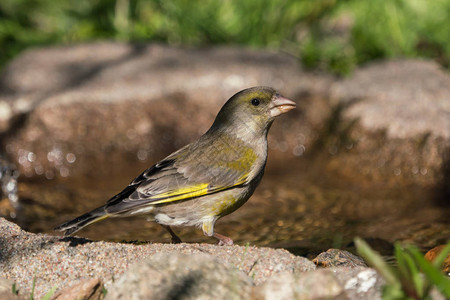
(8, 180)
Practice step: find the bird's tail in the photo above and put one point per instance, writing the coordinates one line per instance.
(78, 223)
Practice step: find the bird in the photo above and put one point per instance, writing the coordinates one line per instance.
(206, 179)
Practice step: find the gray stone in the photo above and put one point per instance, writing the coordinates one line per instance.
(338, 258)
(5, 285)
(181, 276)
(6, 291)
(64, 109)
(360, 283)
(406, 98)
(320, 284)
(69, 106)
(388, 120)
(89, 289)
(392, 124)
(335, 283)
(54, 261)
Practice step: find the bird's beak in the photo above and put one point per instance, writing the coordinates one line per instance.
(280, 105)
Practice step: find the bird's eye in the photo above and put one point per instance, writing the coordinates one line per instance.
(255, 102)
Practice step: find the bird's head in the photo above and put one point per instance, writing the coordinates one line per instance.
(252, 110)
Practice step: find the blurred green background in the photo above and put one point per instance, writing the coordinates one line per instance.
(324, 34)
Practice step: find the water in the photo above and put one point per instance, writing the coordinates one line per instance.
(297, 206)
(8, 182)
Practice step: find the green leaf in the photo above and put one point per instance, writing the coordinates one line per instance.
(33, 286)
(401, 262)
(104, 291)
(391, 292)
(49, 294)
(412, 280)
(14, 289)
(375, 260)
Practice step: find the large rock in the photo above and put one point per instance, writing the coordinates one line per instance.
(393, 122)
(64, 109)
(77, 266)
(338, 258)
(89, 289)
(178, 276)
(335, 283)
(54, 261)
(6, 290)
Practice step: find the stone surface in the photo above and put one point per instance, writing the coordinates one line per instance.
(66, 107)
(61, 262)
(431, 255)
(181, 276)
(338, 258)
(405, 98)
(360, 283)
(393, 123)
(335, 283)
(6, 290)
(317, 285)
(89, 289)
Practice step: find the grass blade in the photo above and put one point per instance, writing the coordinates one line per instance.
(33, 286)
(375, 260)
(49, 294)
(412, 281)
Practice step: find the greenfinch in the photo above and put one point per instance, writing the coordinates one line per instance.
(207, 179)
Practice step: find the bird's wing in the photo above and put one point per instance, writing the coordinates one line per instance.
(192, 172)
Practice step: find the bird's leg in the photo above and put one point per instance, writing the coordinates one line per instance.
(223, 240)
(175, 238)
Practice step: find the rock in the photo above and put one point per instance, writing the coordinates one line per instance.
(62, 101)
(406, 98)
(8, 185)
(360, 283)
(176, 276)
(5, 285)
(6, 290)
(61, 262)
(90, 289)
(338, 258)
(316, 285)
(335, 283)
(431, 255)
(392, 119)
(386, 122)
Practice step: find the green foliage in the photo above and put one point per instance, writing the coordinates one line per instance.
(14, 289)
(104, 291)
(49, 294)
(414, 276)
(325, 34)
(33, 287)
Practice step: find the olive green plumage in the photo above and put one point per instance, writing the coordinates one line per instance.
(207, 179)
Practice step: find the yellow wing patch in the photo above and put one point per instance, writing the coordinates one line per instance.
(188, 192)
(182, 193)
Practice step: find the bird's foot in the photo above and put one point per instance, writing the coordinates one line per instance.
(223, 240)
(175, 238)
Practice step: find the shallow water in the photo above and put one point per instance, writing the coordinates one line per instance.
(296, 207)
